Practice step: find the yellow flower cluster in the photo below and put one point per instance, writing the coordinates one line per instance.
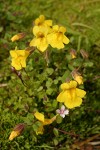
(46, 34)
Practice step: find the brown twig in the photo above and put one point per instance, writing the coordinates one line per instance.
(80, 144)
(69, 133)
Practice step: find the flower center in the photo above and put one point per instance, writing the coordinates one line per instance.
(40, 35)
(62, 111)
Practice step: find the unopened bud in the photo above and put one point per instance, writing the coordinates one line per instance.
(17, 131)
(77, 76)
(18, 37)
(73, 53)
(84, 54)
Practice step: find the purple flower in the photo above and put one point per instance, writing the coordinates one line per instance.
(62, 111)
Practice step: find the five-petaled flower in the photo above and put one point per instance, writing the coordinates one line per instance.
(62, 111)
(70, 95)
(43, 121)
(19, 58)
(56, 38)
(40, 39)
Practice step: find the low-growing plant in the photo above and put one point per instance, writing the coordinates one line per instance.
(50, 64)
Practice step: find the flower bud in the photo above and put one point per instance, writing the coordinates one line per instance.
(77, 76)
(18, 37)
(17, 131)
(73, 53)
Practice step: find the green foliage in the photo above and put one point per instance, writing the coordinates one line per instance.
(19, 102)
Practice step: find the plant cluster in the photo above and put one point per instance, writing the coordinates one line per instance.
(47, 39)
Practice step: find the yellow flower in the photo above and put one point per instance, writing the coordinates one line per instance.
(70, 95)
(56, 38)
(44, 121)
(40, 40)
(17, 131)
(42, 22)
(77, 77)
(19, 58)
(17, 37)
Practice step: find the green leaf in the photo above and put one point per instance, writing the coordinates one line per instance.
(28, 119)
(49, 71)
(55, 142)
(55, 131)
(59, 119)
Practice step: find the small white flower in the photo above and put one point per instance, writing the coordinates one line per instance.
(62, 111)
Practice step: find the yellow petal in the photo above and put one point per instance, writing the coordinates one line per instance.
(80, 93)
(36, 29)
(39, 116)
(20, 52)
(55, 27)
(72, 93)
(71, 104)
(51, 38)
(42, 46)
(27, 52)
(34, 42)
(59, 45)
(16, 64)
(48, 22)
(42, 17)
(13, 54)
(55, 41)
(62, 96)
(41, 30)
(62, 29)
(39, 20)
(65, 39)
(23, 63)
(71, 84)
(49, 121)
